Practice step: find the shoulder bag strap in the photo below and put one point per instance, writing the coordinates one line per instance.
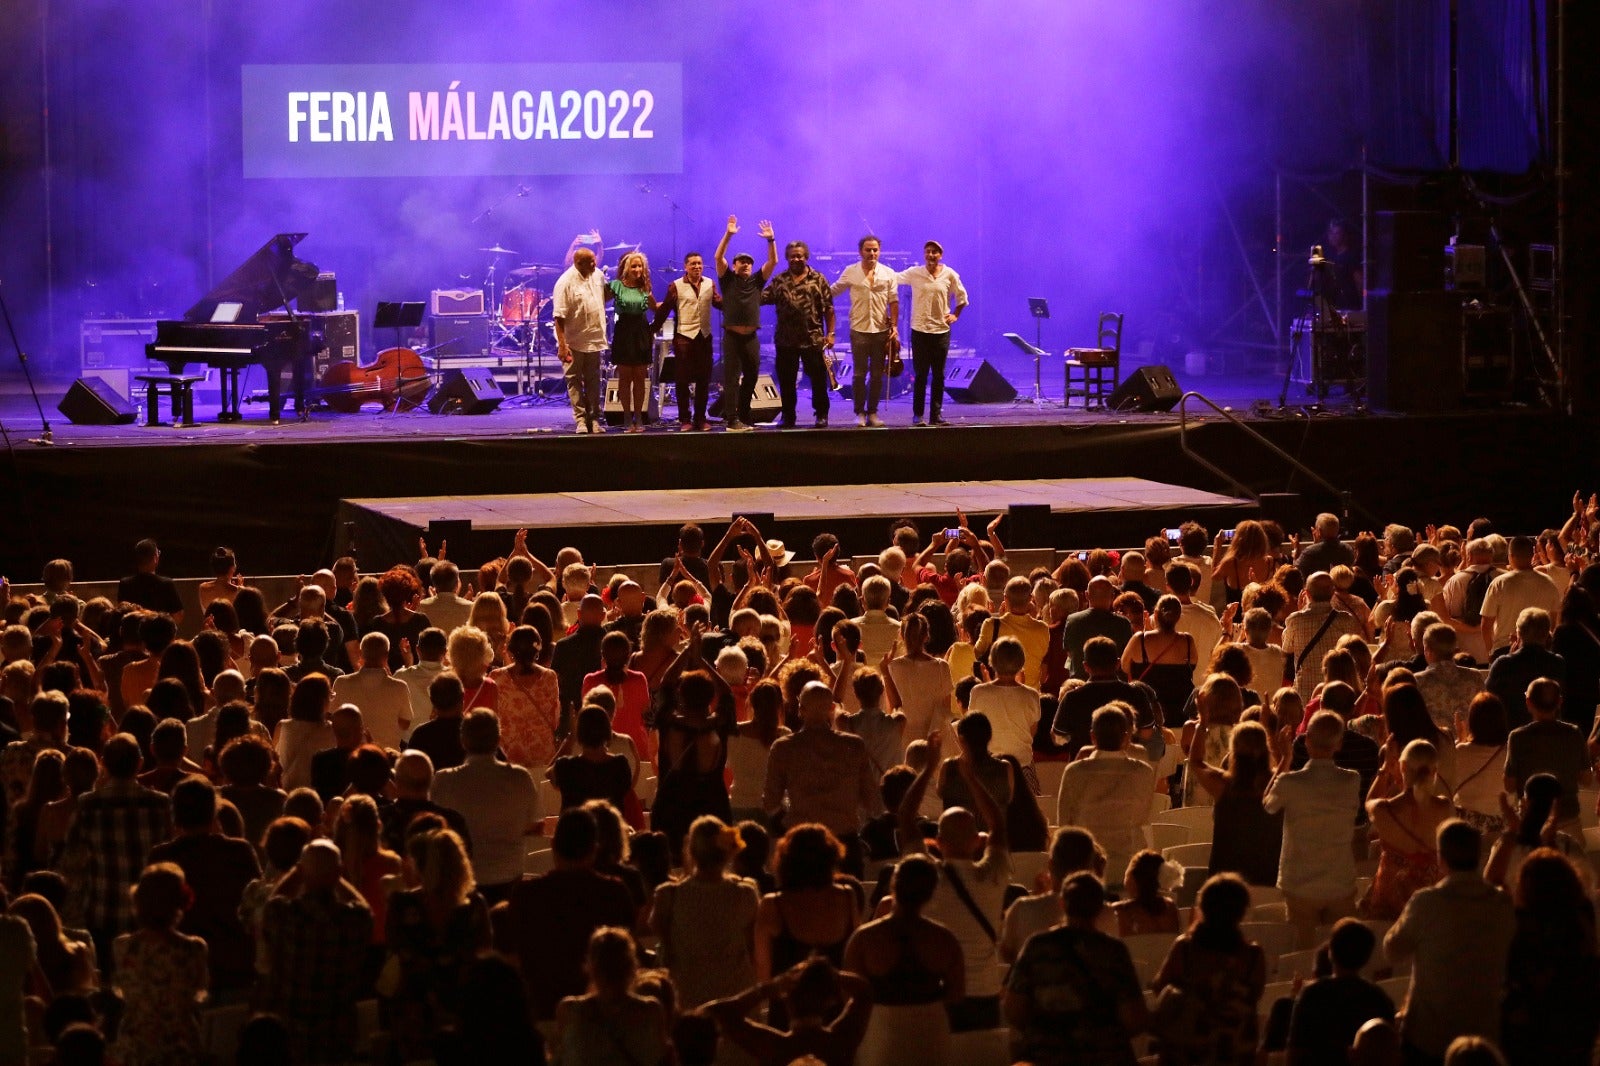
(968, 902)
(1305, 653)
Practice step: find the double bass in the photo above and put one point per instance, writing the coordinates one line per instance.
(397, 379)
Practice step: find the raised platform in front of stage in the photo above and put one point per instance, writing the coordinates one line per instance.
(274, 494)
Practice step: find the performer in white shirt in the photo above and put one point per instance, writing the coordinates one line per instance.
(580, 319)
(937, 300)
(874, 323)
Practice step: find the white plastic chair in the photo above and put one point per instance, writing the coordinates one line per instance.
(539, 862)
(1025, 866)
(1196, 819)
(1198, 855)
(1269, 912)
(1397, 987)
(1149, 951)
(1591, 838)
(1276, 939)
(1050, 772)
(1164, 835)
(1274, 991)
(1160, 804)
(1263, 894)
(1296, 964)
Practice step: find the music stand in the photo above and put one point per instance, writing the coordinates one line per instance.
(1039, 308)
(398, 316)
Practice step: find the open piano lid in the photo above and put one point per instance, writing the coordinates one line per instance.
(266, 281)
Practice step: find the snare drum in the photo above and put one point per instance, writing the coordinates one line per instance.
(521, 305)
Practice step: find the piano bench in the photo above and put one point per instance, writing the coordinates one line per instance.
(180, 391)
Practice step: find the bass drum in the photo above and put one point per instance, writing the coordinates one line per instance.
(521, 305)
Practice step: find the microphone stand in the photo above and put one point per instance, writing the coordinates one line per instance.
(46, 437)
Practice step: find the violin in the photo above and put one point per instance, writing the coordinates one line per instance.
(396, 377)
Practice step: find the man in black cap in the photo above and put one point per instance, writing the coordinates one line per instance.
(741, 317)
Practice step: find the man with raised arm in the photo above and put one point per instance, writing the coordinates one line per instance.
(741, 285)
(874, 324)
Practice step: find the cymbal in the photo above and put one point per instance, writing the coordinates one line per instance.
(528, 270)
(624, 244)
(497, 250)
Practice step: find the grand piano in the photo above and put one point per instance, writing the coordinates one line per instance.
(223, 329)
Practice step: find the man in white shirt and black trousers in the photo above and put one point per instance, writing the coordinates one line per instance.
(937, 300)
(874, 326)
(579, 312)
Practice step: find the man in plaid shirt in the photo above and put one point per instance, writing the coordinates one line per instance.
(317, 930)
(1314, 631)
(111, 835)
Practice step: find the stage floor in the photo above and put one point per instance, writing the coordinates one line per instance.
(797, 503)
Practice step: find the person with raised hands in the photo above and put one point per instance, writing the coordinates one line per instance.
(741, 286)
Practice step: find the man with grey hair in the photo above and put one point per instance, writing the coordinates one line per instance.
(384, 701)
(1109, 792)
(1267, 660)
(1326, 550)
(1313, 631)
(1513, 592)
(499, 801)
(1529, 659)
(1547, 745)
(820, 774)
(878, 630)
(1015, 619)
(579, 303)
(804, 333)
(413, 780)
(1447, 687)
(1398, 544)
(1460, 602)
(892, 562)
(1318, 802)
(446, 608)
(1095, 620)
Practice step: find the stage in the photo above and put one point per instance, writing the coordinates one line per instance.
(285, 497)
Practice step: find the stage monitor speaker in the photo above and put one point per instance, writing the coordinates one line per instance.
(613, 404)
(1414, 351)
(973, 379)
(467, 392)
(1028, 525)
(460, 335)
(1147, 388)
(1407, 253)
(765, 405)
(91, 402)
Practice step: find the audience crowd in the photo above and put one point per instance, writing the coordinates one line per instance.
(1235, 800)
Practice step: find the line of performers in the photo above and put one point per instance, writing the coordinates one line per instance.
(804, 302)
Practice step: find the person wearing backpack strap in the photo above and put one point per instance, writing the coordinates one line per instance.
(1460, 602)
(973, 875)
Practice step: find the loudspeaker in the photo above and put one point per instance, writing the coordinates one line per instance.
(1414, 350)
(765, 405)
(844, 371)
(456, 302)
(1148, 388)
(613, 404)
(973, 379)
(468, 392)
(461, 335)
(91, 402)
(1407, 253)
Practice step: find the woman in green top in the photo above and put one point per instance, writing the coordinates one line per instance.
(630, 347)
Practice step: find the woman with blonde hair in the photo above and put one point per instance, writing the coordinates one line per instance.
(1406, 822)
(635, 301)
(471, 653)
(706, 919)
(434, 932)
(611, 1024)
(488, 616)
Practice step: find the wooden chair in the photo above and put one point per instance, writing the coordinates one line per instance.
(1094, 373)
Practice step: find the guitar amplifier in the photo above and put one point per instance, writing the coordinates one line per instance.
(447, 302)
(460, 335)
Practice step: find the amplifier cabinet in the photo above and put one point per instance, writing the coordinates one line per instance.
(446, 302)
